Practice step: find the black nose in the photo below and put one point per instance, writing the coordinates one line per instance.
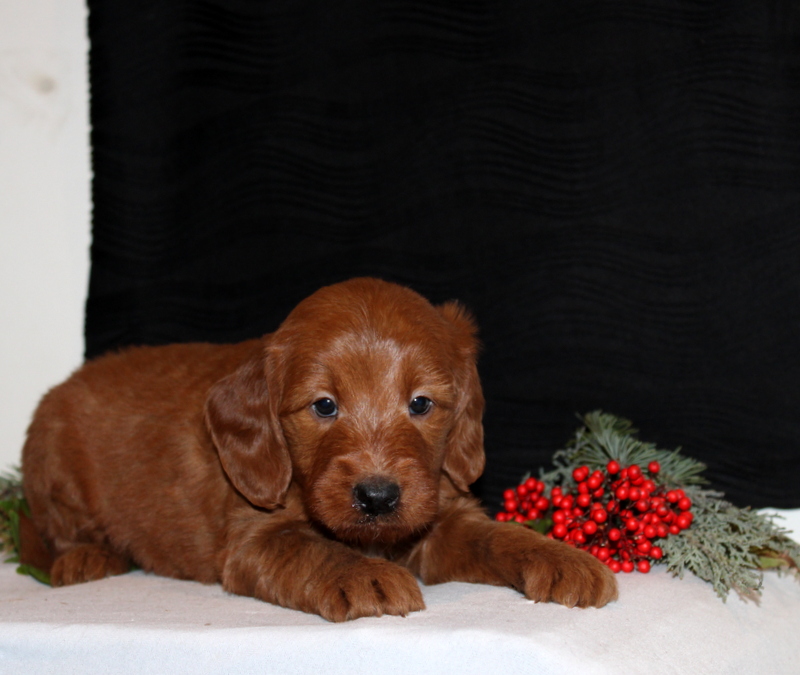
(376, 497)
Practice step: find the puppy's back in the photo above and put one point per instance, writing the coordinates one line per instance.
(118, 454)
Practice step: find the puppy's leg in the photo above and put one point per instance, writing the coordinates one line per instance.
(288, 563)
(466, 545)
(86, 562)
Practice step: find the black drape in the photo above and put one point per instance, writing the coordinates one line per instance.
(612, 187)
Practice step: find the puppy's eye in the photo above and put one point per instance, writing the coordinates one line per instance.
(420, 405)
(325, 407)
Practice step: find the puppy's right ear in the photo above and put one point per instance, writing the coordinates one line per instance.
(241, 414)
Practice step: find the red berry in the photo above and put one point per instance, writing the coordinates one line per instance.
(533, 514)
(634, 472)
(510, 505)
(672, 496)
(603, 554)
(644, 546)
(614, 534)
(643, 566)
(580, 474)
(684, 503)
(627, 566)
(519, 518)
(684, 520)
(674, 529)
(621, 493)
(533, 485)
(632, 524)
(599, 515)
(642, 505)
(594, 481)
(654, 467)
(559, 531)
(543, 503)
(559, 516)
(522, 490)
(650, 532)
(589, 527)
(583, 501)
(613, 467)
(656, 553)
(614, 565)
(509, 494)
(634, 494)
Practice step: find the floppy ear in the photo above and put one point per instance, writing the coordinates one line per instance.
(464, 457)
(241, 414)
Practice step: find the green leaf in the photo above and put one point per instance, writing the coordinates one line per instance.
(36, 573)
(542, 526)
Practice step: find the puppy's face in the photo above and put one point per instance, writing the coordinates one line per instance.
(366, 415)
(371, 395)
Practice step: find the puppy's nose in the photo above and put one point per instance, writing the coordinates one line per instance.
(376, 497)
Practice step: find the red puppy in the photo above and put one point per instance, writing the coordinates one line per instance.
(319, 468)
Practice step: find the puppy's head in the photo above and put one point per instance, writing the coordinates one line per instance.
(366, 394)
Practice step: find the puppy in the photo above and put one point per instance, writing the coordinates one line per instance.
(319, 468)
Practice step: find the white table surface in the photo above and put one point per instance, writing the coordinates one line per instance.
(140, 623)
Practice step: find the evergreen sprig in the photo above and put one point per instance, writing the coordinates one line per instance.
(605, 437)
(12, 506)
(726, 545)
(11, 503)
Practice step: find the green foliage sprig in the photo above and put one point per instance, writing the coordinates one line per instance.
(12, 502)
(605, 437)
(728, 546)
(12, 505)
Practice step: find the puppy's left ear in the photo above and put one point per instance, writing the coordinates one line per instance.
(464, 457)
(241, 415)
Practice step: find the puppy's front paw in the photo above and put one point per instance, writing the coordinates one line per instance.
(551, 571)
(372, 587)
(569, 577)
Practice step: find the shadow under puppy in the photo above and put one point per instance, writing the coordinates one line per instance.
(319, 468)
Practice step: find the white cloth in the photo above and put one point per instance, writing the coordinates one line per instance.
(140, 623)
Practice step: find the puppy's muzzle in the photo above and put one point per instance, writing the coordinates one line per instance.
(376, 496)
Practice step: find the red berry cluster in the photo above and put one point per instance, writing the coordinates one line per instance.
(616, 515)
(526, 502)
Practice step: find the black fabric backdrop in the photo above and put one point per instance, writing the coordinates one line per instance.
(612, 187)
